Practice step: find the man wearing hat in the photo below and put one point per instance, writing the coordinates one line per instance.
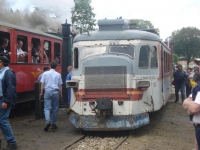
(179, 82)
(8, 97)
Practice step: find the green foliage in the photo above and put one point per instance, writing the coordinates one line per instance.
(176, 59)
(82, 16)
(142, 24)
(186, 43)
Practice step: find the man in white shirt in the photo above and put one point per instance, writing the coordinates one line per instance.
(51, 84)
(20, 53)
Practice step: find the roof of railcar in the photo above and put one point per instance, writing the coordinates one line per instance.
(8, 25)
(117, 35)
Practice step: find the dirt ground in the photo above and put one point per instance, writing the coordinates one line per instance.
(169, 129)
(30, 134)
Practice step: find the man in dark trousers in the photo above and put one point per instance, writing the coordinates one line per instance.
(8, 97)
(179, 82)
(51, 84)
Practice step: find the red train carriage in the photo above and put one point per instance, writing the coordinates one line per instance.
(26, 71)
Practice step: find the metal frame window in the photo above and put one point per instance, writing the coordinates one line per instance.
(144, 56)
(128, 50)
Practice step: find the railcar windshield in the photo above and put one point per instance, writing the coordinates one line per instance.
(123, 49)
(93, 50)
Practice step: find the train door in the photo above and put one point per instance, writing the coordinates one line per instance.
(155, 87)
(164, 79)
(146, 104)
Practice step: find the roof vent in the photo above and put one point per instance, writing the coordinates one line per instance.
(113, 24)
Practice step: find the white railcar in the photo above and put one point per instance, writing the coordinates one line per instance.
(119, 76)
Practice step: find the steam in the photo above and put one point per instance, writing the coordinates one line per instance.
(19, 12)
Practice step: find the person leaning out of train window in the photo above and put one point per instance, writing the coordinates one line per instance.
(179, 82)
(36, 53)
(3, 51)
(46, 59)
(20, 53)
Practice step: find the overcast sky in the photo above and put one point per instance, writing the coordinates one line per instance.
(167, 15)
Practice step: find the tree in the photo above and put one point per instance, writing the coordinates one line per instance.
(186, 43)
(142, 24)
(176, 59)
(82, 16)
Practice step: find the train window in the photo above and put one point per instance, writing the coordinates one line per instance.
(4, 36)
(93, 50)
(36, 51)
(76, 58)
(123, 49)
(57, 52)
(47, 52)
(164, 62)
(22, 49)
(144, 56)
(154, 60)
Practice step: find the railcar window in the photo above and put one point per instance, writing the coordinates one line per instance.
(57, 52)
(164, 62)
(144, 57)
(22, 48)
(168, 62)
(93, 50)
(36, 50)
(154, 59)
(123, 49)
(47, 52)
(76, 58)
(4, 36)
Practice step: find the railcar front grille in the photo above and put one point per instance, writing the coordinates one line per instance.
(106, 77)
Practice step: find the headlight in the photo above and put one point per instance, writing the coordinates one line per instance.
(71, 84)
(143, 84)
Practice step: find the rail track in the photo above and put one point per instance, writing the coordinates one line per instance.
(99, 140)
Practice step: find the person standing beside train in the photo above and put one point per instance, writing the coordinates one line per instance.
(192, 105)
(51, 84)
(44, 70)
(188, 87)
(3, 51)
(8, 97)
(179, 83)
(68, 77)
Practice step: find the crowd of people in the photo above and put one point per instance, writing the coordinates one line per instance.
(36, 55)
(189, 80)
